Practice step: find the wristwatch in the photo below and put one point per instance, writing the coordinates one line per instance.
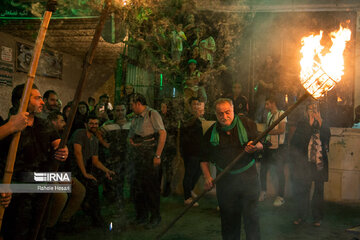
(157, 156)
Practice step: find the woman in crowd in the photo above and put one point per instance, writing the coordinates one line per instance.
(309, 147)
(80, 117)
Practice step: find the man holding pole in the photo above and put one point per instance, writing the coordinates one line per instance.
(36, 152)
(238, 190)
(15, 124)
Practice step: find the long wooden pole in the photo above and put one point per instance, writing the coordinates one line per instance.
(232, 164)
(64, 138)
(87, 64)
(10, 161)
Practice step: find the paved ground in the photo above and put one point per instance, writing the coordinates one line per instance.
(204, 223)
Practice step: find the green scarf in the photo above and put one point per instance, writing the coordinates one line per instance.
(243, 138)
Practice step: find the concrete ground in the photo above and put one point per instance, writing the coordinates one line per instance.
(204, 223)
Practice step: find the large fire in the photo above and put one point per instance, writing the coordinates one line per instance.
(321, 72)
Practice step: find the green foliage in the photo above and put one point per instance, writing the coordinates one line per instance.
(150, 24)
(143, 15)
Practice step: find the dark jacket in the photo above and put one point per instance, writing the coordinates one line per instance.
(191, 134)
(303, 169)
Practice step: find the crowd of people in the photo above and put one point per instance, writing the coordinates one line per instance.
(129, 142)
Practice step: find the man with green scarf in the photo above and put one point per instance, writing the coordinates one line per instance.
(237, 191)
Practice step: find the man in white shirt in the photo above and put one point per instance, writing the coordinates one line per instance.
(273, 154)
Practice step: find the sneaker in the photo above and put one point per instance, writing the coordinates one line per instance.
(262, 196)
(189, 201)
(193, 194)
(279, 201)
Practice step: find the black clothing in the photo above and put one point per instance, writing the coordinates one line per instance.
(302, 190)
(169, 152)
(305, 172)
(240, 104)
(229, 146)
(192, 174)
(299, 150)
(237, 193)
(34, 155)
(191, 134)
(79, 123)
(34, 150)
(116, 158)
(146, 184)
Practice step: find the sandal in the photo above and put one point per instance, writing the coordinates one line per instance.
(298, 221)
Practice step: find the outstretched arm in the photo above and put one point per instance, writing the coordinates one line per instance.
(96, 162)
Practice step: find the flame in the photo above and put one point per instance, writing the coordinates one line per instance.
(320, 73)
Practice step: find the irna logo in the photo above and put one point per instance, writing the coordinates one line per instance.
(52, 177)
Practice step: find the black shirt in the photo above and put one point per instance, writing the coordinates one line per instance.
(35, 152)
(240, 104)
(191, 134)
(229, 146)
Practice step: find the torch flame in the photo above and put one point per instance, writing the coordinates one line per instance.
(320, 73)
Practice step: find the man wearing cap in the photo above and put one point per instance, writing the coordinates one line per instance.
(238, 190)
(147, 137)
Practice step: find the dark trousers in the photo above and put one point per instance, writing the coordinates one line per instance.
(192, 174)
(273, 157)
(91, 203)
(146, 183)
(166, 168)
(238, 197)
(115, 187)
(302, 197)
(20, 218)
